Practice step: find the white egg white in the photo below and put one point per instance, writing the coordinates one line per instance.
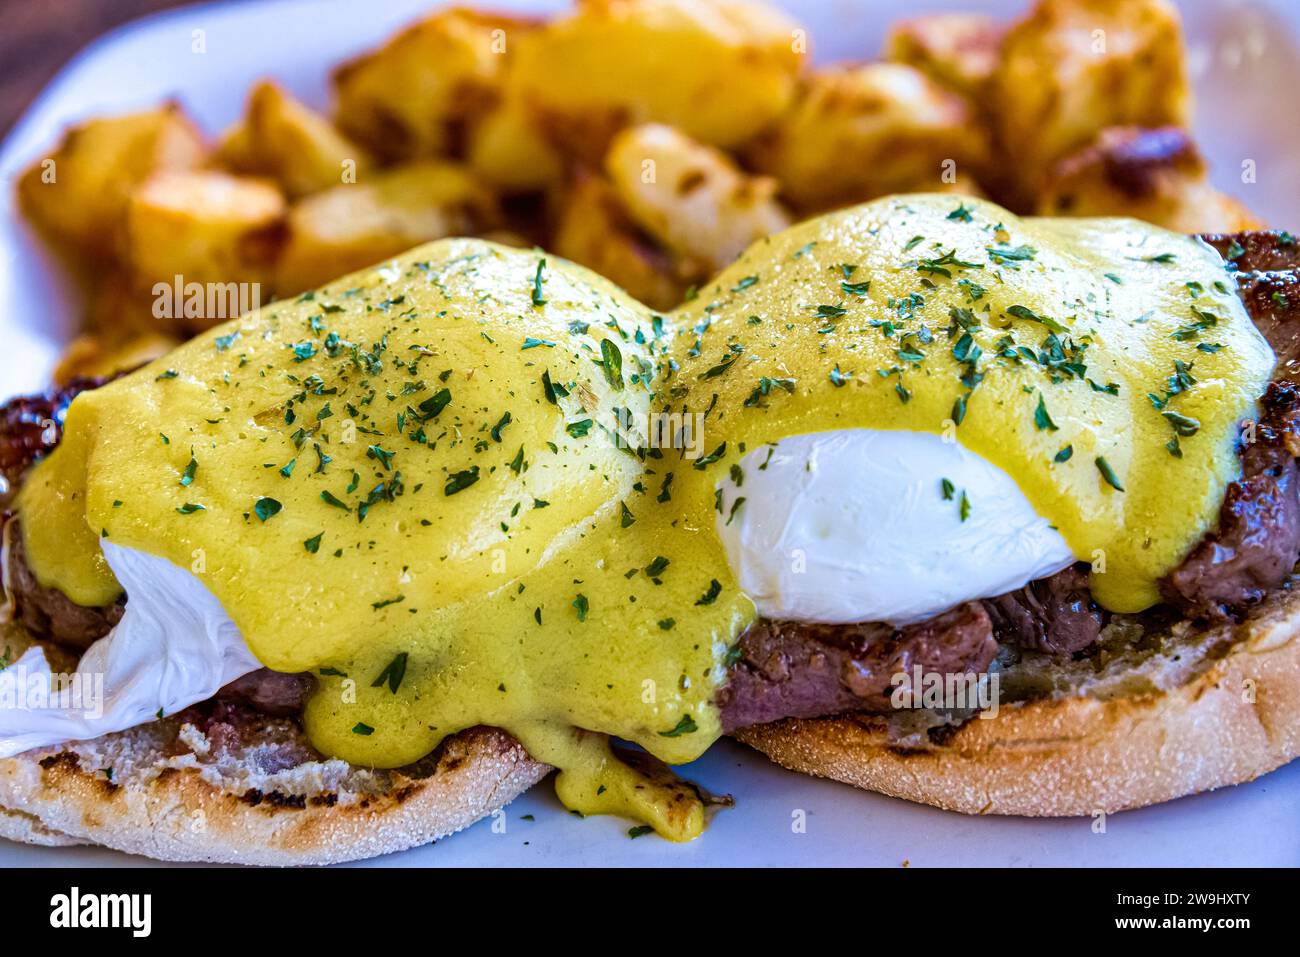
(175, 646)
(854, 525)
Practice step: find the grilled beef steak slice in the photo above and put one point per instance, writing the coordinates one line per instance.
(795, 670)
(30, 426)
(1273, 301)
(1258, 539)
(270, 692)
(47, 613)
(1055, 614)
(1263, 250)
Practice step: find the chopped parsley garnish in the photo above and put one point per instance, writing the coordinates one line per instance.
(433, 405)
(961, 214)
(313, 544)
(582, 606)
(1043, 421)
(393, 674)
(501, 424)
(1023, 312)
(686, 725)
(189, 508)
(384, 603)
(553, 390)
(1108, 473)
(265, 508)
(363, 729)
(1184, 425)
(385, 457)
(1064, 454)
(611, 362)
(538, 298)
(329, 498)
(1001, 254)
(727, 361)
(710, 596)
(707, 460)
(459, 481)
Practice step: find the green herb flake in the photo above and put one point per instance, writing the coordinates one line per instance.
(1108, 473)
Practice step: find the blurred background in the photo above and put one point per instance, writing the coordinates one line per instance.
(39, 36)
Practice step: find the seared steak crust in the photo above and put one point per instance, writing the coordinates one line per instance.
(1263, 250)
(46, 612)
(794, 670)
(30, 426)
(1258, 538)
(1055, 614)
(270, 692)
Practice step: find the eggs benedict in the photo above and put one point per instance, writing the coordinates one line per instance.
(439, 496)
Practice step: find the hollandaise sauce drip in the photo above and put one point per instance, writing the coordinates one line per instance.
(456, 487)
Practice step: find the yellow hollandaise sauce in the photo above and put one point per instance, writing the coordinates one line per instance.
(438, 485)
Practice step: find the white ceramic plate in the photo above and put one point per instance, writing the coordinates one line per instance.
(1245, 56)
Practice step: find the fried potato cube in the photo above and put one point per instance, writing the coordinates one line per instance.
(351, 226)
(1154, 175)
(956, 50)
(79, 192)
(594, 229)
(718, 70)
(508, 152)
(91, 355)
(693, 199)
(204, 226)
(1074, 67)
(413, 96)
(292, 144)
(859, 132)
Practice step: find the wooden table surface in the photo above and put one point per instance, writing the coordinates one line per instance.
(39, 36)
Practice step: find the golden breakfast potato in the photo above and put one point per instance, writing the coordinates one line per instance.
(956, 50)
(354, 225)
(718, 70)
(413, 96)
(1154, 175)
(693, 199)
(92, 355)
(858, 132)
(294, 145)
(1074, 67)
(508, 152)
(117, 309)
(79, 191)
(203, 226)
(594, 229)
